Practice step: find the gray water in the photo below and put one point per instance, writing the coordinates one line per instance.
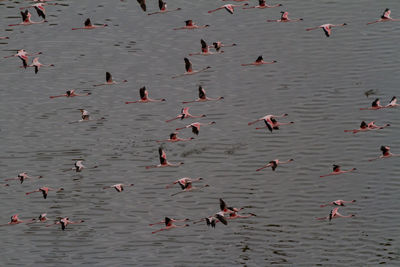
(320, 82)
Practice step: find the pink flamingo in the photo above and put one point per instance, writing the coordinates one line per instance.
(284, 18)
(37, 65)
(337, 170)
(274, 164)
(195, 126)
(338, 202)
(144, 97)
(23, 55)
(163, 161)
(64, 222)
(26, 19)
(385, 17)
(22, 177)
(327, 28)
(236, 215)
(218, 45)
(367, 127)
(45, 191)
(169, 223)
(109, 80)
(203, 97)
(205, 51)
(183, 181)
(259, 61)
(225, 209)
(118, 187)
(270, 122)
(16, 220)
(393, 103)
(142, 4)
(189, 69)
(335, 214)
(42, 218)
(89, 26)
(163, 8)
(41, 11)
(70, 93)
(218, 217)
(173, 137)
(189, 25)
(185, 114)
(169, 220)
(262, 4)
(229, 7)
(78, 167)
(4, 37)
(374, 106)
(385, 153)
(186, 187)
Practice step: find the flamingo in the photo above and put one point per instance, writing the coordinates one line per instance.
(89, 26)
(229, 7)
(26, 20)
(393, 103)
(163, 161)
(144, 97)
(225, 209)
(70, 93)
(185, 114)
(367, 127)
(218, 45)
(37, 65)
(195, 126)
(189, 69)
(41, 11)
(84, 114)
(270, 122)
(338, 202)
(203, 97)
(4, 37)
(236, 215)
(142, 4)
(327, 28)
(42, 218)
(183, 181)
(385, 153)
(385, 17)
(64, 222)
(259, 61)
(173, 137)
(262, 4)
(337, 170)
(169, 223)
(163, 8)
(204, 50)
(118, 187)
(169, 220)
(274, 164)
(285, 18)
(16, 220)
(23, 55)
(376, 104)
(335, 214)
(218, 217)
(78, 167)
(22, 177)
(186, 187)
(109, 80)
(45, 191)
(189, 25)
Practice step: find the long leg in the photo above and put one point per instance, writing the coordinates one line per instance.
(266, 166)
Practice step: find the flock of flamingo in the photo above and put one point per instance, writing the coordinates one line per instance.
(224, 213)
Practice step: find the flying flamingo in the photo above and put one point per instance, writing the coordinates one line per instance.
(23, 55)
(64, 222)
(189, 70)
(259, 61)
(385, 17)
(218, 217)
(118, 187)
(195, 126)
(229, 7)
(169, 223)
(189, 25)
(385, 153)
(4, 37)
(270, 121)
(16, 220)
(337, 170)
(374, 106)
(70, 93)
(205, 51)
(203, 97)
(393, 103)
(144, 97)
(218, 45)
(41, 11)
(78, 167)
(274, 164)
(225, 209)
(185, 114)
(262, 4)
(142, 4)
(85, 115)
(26, 19)
(4, 185)
(109, 80)
(42, 218)
(45, 191)
(22, 177)
(367, 127)
(37, 65)
(335, 214)
(284, 18)
(89, 26)
(186, 187)
(327, 28)
(183, 181)
(338, 202)
(163, 8)
(236, 215)
(173, 137)
(163, 161)
(170, 220)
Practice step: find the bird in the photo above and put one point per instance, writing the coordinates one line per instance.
(205, 51)
(163, 8)
(163, 161)
(385, 17)
(203, 97)
(45, 191)
(236, 215)
(169, 224)
(118, 187)
(22, 177)
(26, 19)
(229, 7)
(142, 4)
(185, 114)
(189, 69)
(367, 127)
(385, 153)
(225, 209)
(15, 220)
(84, 114)
(270, 121)
(337, 170)
(195, 126)
(78, 166)
(39, 7)
(335, 214)
(327, 28)
(64, 222)
(218, 45)
(285, 18)
(392, 103)
(109, 80)
(173, 137)
(89, 26)
(189, 25)
(262, 4)
(259, 61)
(69, 93)
(338, 202)
(218, 217)
(144, 97)
(274, 164)
(4, 37)
(187, 186)
(37, 65)
(23, 55)
(183, 181)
